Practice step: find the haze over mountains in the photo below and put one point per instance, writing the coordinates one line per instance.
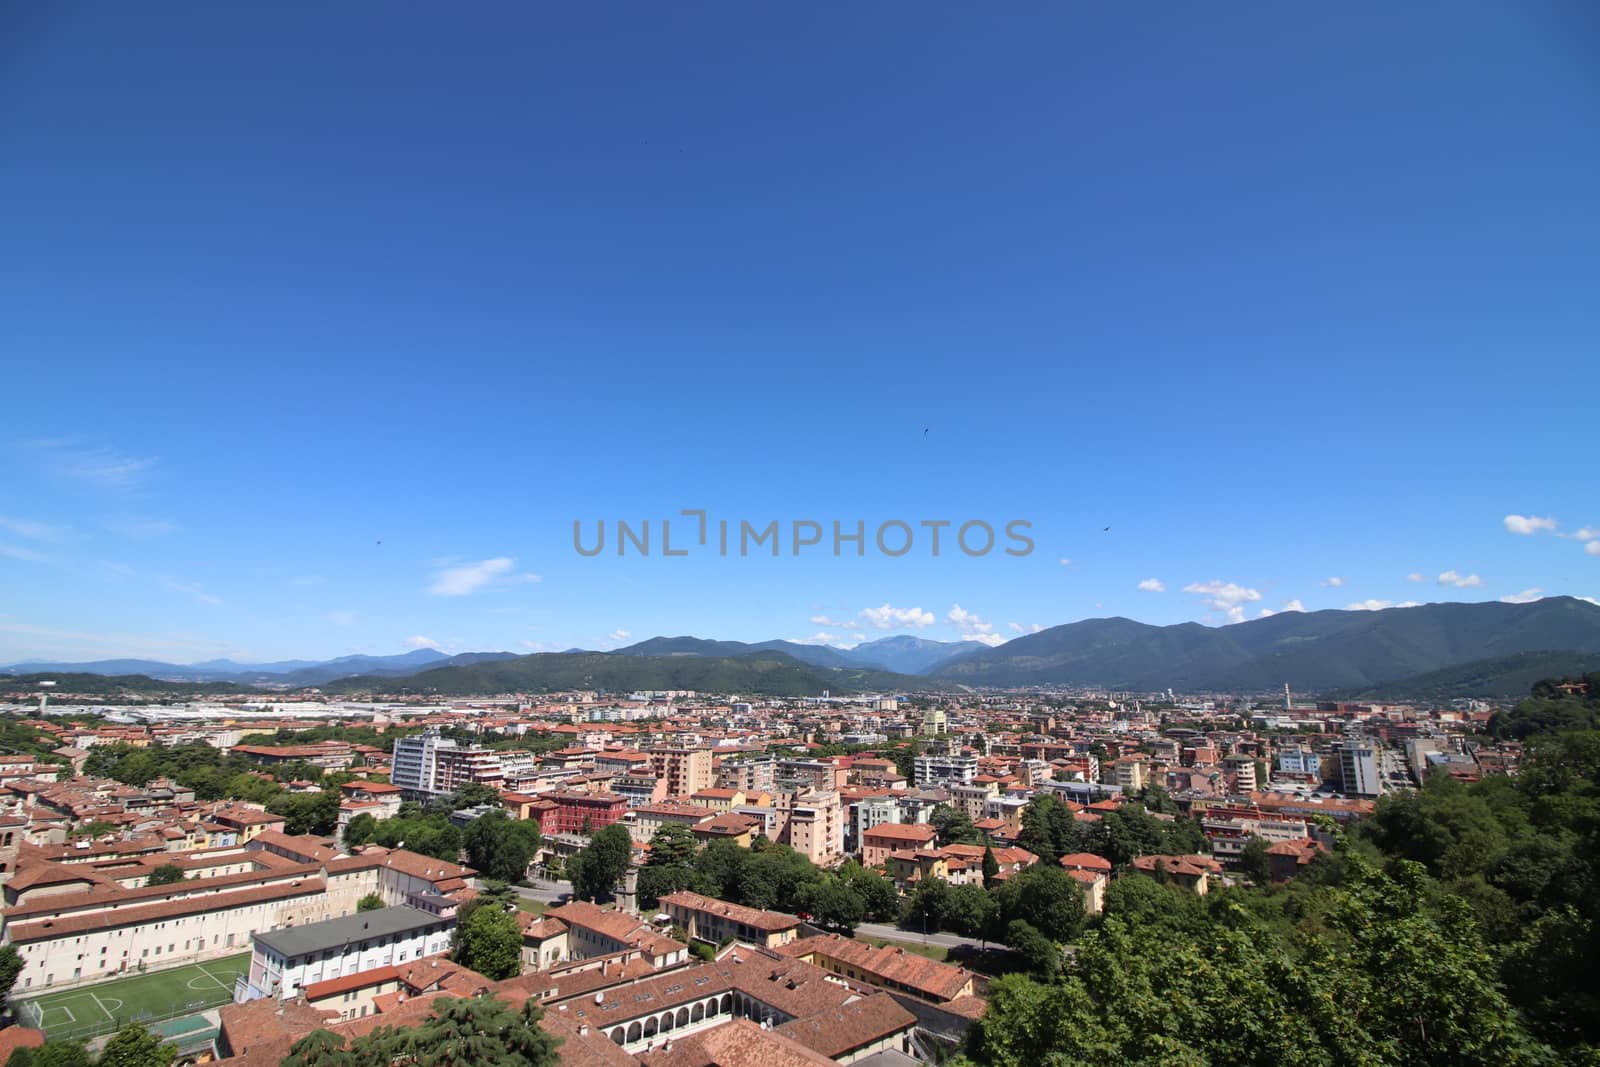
(1433, 648)
(282, 672)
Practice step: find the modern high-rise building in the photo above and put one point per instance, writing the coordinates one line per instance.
(1361, 765)
(427, 765)
(687, 770)
(932, 770)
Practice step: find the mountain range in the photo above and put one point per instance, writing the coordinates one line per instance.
(293, 672)
(1311, 651)
(1427, 649)
(901, 654)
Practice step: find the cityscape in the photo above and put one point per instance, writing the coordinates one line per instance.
(721, 535)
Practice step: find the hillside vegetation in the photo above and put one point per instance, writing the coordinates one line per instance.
(766, 673)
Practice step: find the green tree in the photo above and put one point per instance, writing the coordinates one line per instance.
(595, 869)
(673, 843)
(11, 965)
(360, 830)
(1045, 897)
(501, 847)
(307, 813)
(489, 941)
(165, 874)
(878, 894)
(1253, 862)
(954, 827)
(370, 902)
(319, 1048)
(833, 904)
(134, 1046)
(991, 867)
(61, 1054)
(473, 795)
(1041, 955)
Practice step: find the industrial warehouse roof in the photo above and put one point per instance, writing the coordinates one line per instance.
(334, 933)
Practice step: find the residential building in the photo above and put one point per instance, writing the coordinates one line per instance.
(284, 962)
(715, 921)
(686, 770)
(939, 770)
(1360, 764)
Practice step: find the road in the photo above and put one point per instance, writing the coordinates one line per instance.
(895, 933)
(543, 890)
(547, 891)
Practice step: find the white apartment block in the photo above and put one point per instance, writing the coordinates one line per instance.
(284, 962)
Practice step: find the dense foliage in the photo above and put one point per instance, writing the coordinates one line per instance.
(428, 834)
(501, 847)
(461, 1032)
(488, 940)
(1457, 925)
(214, 776)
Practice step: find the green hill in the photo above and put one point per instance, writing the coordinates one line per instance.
(26, 686)
(1499, 677)
(1312, 651)
(764, 673)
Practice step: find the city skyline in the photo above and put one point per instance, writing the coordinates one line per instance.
(1241, 310)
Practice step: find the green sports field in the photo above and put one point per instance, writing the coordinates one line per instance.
(103, 1007)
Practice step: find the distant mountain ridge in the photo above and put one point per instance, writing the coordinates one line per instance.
(1433, 648)
(1311, 651)
(761, 673)
(900, 654)
(283, 672)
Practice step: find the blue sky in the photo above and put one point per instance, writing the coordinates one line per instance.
(1281, 296)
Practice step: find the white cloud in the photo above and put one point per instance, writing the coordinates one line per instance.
(1460, 581)
(1589, 600)
(619, 635)
(1529, 524)
(1409, 604)
(1293, 605)
(342, 618)
(18, 552)
(859, 637)
(1153, 585)
(888, 618)
(1016, 627)
(1333, 582)
(991, 640)
(823, 620)
(139, 528)
(1527, 596)
(1031, 628)
(967, 622)
(1065, 562)
(424, 642)
(819, 638)
(1369, 605)
(32, 530)
(1416, 576)
(190, 589)
(460, 581)
(1265, 613)
(1226, 597)
(1586, 533)
(103, 468)
(1592, 548)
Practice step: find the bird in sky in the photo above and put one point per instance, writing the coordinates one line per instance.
(1106, 530)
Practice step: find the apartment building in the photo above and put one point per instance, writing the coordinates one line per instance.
(427, 765)
(1361, 765)
(749, 774)
(813, 824)
(284, 962)
(686, 770)
(715, 921)
(940, 770)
